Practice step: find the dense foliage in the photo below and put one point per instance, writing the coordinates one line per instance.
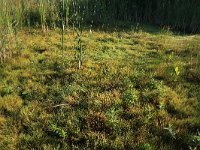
(177, 14)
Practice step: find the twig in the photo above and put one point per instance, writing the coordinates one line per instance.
(60, 105)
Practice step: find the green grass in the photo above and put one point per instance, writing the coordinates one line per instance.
(127, 94)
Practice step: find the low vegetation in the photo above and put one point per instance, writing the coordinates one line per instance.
(90, 74)
(136, 89)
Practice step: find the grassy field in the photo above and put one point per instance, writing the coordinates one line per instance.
(137, 88)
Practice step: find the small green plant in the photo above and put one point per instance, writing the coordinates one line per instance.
(177, 73)
(79, 48)
(145, 146)
(7, 90)
(196, 139)
(112, 116)
(170, 55)
(58, 131)
(161, 105)
(78, 29)
(171, 131)
(130, 97)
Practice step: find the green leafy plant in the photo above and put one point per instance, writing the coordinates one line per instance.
(171, 131)
(130, 97)
(59, 131)
(113, 116)
(196, 139)
(170, 56)
(177, 73)
(145, 146)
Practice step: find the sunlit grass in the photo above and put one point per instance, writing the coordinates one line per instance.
(126, 90)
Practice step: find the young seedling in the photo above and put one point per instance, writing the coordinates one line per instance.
(64, 20)
(79, 48)
(170, 55)
(171, 131)
(67, 7)
(77, 26)
(177, 73)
